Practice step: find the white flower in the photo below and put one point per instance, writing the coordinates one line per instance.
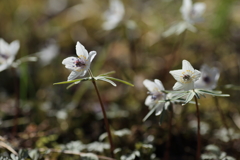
(155, 94)
(185, 77)
(192, 13)
(7, 53)
(209, 78)
(79, 65)
(46, 55)
(113, 15)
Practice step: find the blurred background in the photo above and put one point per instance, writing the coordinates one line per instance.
(127, 37)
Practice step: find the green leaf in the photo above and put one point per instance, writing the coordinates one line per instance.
(76, 80)
(107, 80)
(179, 95)
(197, 95)
(149, 113)
(119, 80)
(71, 85)
(105, 74)
(189, 96)
(212, 93)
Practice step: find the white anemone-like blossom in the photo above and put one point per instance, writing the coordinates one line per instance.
(47, 54)
(191, 14)
(79, 65)
(209, 77)
(113, 15)
(155, 94)
(185, 77)
(8, 53)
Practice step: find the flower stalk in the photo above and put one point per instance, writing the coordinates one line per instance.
(104, 114)
(198, 130)
(168, 145)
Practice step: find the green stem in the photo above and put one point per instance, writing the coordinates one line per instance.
(17, 109)
(168, 145)
(104, 114)
(198, 132)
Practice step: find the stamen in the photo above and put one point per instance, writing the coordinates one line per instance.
(186, 77)
(79, 63)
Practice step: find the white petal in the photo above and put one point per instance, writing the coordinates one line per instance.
(14, 47)
(81, 51)
(198, 9)
(4, 47)
(188, 86)
(196, 75)
(151, 86)
(149, 101)
(159, 84)
(113, 15)
(91, 56)
(178, 86)
(10, 60)
(177, 74)
(159, 109)
(187, 66)
(69, 60)
(3, 66)
(73, 75)
(186, 9)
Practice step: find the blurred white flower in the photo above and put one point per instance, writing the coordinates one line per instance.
(46, 55)
(113, 15)
(155, 94)
(79, 65)
(185, 77)
(179, 28)
(191, 14)
(209, 77)
(8, 53)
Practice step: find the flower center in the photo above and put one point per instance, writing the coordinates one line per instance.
(186, 77)
(206, 79)
(79, 63)
(155, 96)
(4, 56)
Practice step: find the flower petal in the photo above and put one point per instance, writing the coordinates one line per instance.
(81, 51)
(187, 66)
(91, 56)
(159, 84)
(198, 9)
(3, 46)
(177, 74)
(178, 86)
(69, 60)
(188, 86)
(151, 86)
(196, 75)
(186, 9)
(14, 47)
(73, 75)
(149, 102)
(159, 109)
(3, 66)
